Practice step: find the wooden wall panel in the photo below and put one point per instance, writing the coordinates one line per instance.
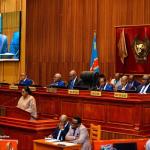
(59, 34)
(59, 37)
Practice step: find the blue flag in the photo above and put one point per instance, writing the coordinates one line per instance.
(94, 66)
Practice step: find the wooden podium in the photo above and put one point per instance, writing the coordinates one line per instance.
(16, 123)
(14, 112)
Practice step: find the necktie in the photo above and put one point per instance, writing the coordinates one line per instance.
(71, 84)
(74, 131)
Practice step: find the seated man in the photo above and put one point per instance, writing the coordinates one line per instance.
(57, 81)
(145, 86)
(125, 86)
(73, 79)
(24, 81)
(104, 86)
(116, 81)
(133, 82)
(62, 129)
(78, 134)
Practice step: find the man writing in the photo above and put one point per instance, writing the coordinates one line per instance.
(62, 129)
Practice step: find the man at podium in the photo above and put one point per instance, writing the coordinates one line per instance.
(27, 102)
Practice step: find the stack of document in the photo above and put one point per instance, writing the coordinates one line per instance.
(51, 140)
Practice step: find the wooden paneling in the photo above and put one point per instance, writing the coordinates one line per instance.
(116, 111)
(59, 37)
(97, 111)
(59, 34)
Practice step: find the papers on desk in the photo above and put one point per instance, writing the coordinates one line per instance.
(51, 140)
(58, 142)
(64, 143)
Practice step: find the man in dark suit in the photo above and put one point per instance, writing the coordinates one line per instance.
(133, 82)
(145, 86)
(125, 86)
(62, 129)
(57, 81)
(73, 79)
(24, 81)
(104, 86)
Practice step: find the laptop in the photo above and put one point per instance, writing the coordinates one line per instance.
(120, 146)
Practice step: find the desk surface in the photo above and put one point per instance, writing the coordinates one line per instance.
(45, 145)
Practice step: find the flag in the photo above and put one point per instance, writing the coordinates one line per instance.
(122, 47)
(94, 66)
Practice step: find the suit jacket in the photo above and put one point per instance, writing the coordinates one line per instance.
(58, 84)
(70, 85)
(140, 87)
(107, 87)
(82, 136)
(127, 88)
(62, 134)
(26, 82)
(134, 84)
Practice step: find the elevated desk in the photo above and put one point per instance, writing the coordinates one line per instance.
(127, 117)
(43, 145)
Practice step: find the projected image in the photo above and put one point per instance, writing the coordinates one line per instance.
(10, 27)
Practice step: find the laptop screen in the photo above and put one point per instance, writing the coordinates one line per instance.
(125, 146)
(119, 146)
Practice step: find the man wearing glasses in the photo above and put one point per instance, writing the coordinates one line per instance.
(78, 134)
(145, 86)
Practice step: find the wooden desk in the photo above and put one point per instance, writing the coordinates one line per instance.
(43, 145)
(119, 117)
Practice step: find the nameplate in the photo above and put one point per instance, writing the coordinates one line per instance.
(95, 93)
(13, 87)
(33, 89)
(74, 92)
(120, 95)
(51, 90)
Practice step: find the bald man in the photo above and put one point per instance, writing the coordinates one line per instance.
(73, 79)
(125, 86)
(116, 81)
(57, 81)
(24, 81)
(62, 129)
(145, 86)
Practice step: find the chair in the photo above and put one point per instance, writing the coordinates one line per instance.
(95, 132)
